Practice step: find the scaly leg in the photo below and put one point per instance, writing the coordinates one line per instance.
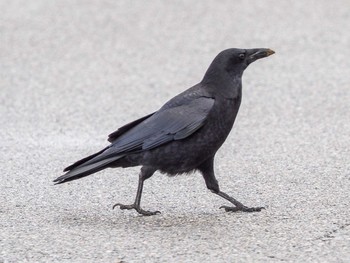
(144, 174)
(207, 169)
(237, 205)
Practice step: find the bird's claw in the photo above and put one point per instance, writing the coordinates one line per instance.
(243, 208)
(137, 208)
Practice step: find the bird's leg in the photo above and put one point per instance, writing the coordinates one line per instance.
(207, 169)
(238, 206)
(144, 174)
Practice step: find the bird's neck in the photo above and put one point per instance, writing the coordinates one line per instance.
(225, 85)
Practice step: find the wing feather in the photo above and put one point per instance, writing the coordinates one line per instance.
(114, 135)
(162, 127)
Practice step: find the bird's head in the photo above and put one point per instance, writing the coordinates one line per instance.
(234, 61)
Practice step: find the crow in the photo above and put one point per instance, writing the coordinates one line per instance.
(184, 135)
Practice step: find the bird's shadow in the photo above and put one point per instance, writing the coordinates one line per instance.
(165, 220)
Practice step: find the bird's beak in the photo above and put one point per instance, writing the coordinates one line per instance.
(257, 53)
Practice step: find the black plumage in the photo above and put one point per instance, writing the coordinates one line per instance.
(183, 135)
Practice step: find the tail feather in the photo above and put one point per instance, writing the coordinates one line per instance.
(84, 160)
(85, 169)
(66, 178)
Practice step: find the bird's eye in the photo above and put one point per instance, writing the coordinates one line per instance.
(241, 56)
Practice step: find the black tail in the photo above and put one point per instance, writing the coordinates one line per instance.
(84, 160)
(84, 167)
(67, 177)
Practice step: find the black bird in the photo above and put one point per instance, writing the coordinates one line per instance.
(183, 135)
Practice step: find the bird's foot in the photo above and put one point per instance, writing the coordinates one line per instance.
(137, 208)
(241, 208)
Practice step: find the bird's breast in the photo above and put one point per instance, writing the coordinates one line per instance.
(224, 114)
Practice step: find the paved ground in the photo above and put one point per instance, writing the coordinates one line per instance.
(73, 71)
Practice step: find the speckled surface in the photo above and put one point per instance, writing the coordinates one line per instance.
(71, 72)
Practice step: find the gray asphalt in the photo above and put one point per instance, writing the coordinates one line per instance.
(71, 72)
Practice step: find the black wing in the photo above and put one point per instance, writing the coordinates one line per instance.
(114, 135)
(167, 124)
(162, 127)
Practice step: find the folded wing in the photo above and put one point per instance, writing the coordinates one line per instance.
(164, 126)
